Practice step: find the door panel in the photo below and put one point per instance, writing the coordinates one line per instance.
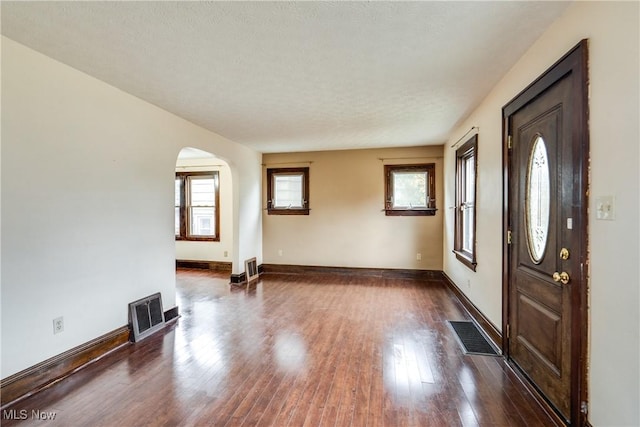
(544, 289)
(541, 307)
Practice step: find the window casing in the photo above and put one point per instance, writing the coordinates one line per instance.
(288, 191)
(197, 206)
(410, 190)
(465, 209)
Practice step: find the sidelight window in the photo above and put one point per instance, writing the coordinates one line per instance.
(465, 208)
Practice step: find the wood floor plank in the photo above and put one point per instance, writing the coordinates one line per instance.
(297, 350)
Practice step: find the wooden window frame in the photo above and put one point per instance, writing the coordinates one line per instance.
(430, 170)
(272, 173)
(184, 216)
(466, 150)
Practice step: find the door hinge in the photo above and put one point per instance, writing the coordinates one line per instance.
(508, 237)
(583, 407)
(508, 330)
(509, 142)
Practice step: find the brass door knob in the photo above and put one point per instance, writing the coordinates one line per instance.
(561, 277)
(564, 253)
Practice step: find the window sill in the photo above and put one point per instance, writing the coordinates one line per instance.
(288, 211)
(198, 239)
(466, 260)
(410, 212)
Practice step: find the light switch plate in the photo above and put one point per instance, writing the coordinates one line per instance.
(605, 208)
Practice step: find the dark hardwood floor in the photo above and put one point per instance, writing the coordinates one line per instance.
(294, 350)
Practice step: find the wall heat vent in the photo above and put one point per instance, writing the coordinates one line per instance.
(146, 316)
(251, 269)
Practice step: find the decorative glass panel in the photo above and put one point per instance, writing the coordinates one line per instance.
(288, 191)
(538, 200)
(410, 190)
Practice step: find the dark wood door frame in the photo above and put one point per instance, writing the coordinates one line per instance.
(576, 63)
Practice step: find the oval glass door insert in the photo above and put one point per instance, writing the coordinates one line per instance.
(538, 200)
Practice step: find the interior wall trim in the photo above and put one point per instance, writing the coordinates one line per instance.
(205, 265)
(377, 272)
(487, 326)
(43, 375)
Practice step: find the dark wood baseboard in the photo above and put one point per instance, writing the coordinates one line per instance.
(392, 273)
(242, 277)
(171, 314)
(489, 328)
(205, 265)
(238, 278)
(38, 377)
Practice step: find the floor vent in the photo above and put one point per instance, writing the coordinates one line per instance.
(471, 339)
(146, 316)
(251, 269)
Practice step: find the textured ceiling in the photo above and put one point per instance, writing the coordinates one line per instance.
(294, 76)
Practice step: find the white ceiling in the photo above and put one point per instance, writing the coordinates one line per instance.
(294, 76)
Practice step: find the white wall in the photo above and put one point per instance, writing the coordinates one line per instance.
(203, 250)
(347, 226)
(612, 30)
(87, 195)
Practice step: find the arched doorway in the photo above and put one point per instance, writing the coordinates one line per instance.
(203, 210)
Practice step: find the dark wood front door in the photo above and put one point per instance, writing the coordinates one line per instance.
(546, 156)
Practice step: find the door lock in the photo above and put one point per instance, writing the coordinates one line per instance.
(564, 253)
(561, 277)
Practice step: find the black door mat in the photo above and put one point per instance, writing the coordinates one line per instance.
(471, 339)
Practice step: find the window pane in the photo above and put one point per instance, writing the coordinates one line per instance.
(287, 191)
(202, 191)
(468, 195)
(469, 179)
(177, 218)
(202, 221)
(467, 229)
(177, 192)
(410, 189)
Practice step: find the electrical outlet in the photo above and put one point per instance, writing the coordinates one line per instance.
(226, 254)
(279, 252)
(58, 325)
(418, 256)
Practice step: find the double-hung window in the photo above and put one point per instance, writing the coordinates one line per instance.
(197, 213)
(465, 218)
(410, 189)
(288, 191)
